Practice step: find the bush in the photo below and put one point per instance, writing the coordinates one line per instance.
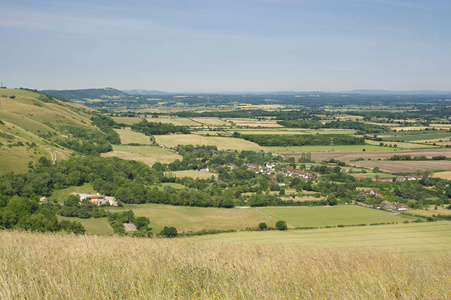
(262, 226)
(281, 225)
(168, 232)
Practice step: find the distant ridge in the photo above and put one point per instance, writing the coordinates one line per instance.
(145, 92)
(99, 93)
(387, 92)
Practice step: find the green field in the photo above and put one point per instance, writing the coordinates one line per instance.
(93, 226)
(421, 136)
(414, 237)
(223, 143)
(401, 145)
(146, 154)
(127, 120)
(61, 195)
(332, 216)
(199, 218)
(128, 136)
(340, 148)
(194, 174)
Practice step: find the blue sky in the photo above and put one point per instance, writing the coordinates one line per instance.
(227, 45)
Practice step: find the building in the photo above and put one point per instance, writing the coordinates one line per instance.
(97, 199)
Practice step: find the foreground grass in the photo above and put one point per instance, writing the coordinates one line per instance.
(53, 266)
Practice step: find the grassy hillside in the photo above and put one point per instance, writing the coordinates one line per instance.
(33, 125)
(82, 267)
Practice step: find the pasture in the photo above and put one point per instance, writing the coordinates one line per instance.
(200, 218)
(278, 131)
(146, 154)
(214, 122)
(425, 135)
(423, 237)
(175, 120)
(223, 143)
(129, 136)
(60, 266)
(93, 226)
(405, 166)
(194, 174)
(332, 216)
(445, 175)
(244, 122)
(127, 120)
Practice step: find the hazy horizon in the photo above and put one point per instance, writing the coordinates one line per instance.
(205, 46)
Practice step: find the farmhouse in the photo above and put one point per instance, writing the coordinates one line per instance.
(373, 192)
(387, 204)
(97, 199)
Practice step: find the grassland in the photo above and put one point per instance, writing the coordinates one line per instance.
(176, 121)
(57, 266)
(430, 211)
(198, 218)
(243, 122)
(223, 143)
(332, 216)
(214, 122)
(61, 195)
(93, 226)
(128, 136)
(127, 120)
(194, 174)
(146, 154)
(414, 237)
(278, 131)
(420, 136)
(444, 175)
(405, 166)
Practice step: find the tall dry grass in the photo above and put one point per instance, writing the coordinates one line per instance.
(57, 266)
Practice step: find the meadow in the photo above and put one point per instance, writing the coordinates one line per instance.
(420, 136)
(61, 195)
(59, 266)
(128, 137)
(146, 154)
(194, 174)
(332, 216)
(278, 131)
(92, 226)
(445, 175)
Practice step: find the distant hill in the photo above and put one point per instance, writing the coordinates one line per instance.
(84, 95)
(388, 93)
(33, 125)
(145, 92)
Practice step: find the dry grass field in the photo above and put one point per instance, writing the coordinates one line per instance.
(444, 175)
(405, 166)
(223, 143)
(215, 122)
(194, 174)
(146, 154)
(243, 122)
(175, 120)
(58, 266)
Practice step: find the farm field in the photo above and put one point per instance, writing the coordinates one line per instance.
(278, 131)
(423, 237)
(215, 122)
(175, 120)
(331, 216)
(243, 122)
(92, 226)
(430, 211)
(146, 154)
(421, 136)
(444, 175)
(199, 218)
(194, 174)
(61, 195)
(405, 166)
(402, 145)
(127, 120)
(128, 136)
(326, 149)
(347, 156)
(83, 267)
(223, 143)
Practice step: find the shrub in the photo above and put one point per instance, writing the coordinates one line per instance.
(262, 226)
(281, 225)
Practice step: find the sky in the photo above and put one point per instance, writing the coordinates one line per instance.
(226, 45)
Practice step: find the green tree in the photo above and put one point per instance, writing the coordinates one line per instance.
(281, 225)
(262, 226)
(169, 232)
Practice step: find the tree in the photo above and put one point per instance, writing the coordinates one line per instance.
(332, 200)
(141, 222)
(281, 225)
(169, 232)
(262, 226)
(360, 197)
(376, 170)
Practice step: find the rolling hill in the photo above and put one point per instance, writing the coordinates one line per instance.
(35, 125)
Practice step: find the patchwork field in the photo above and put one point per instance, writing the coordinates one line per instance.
(278, 131)
(414, 237)
(223, 143)
(243, 122)
(146, 154)
(332, 216)
(347, 156)
(405, 166)
(128, 136)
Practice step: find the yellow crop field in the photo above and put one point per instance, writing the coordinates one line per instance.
(444, 175)
(146, 154)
